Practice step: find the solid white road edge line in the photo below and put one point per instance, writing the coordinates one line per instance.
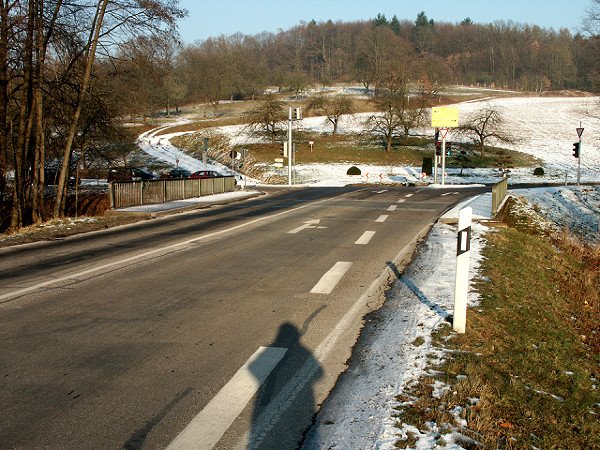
(150, 253)
(381, 218)
(365, 238)
(328, 282)
(205, 430)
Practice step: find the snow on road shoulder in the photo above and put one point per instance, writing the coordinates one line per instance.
(394, 348)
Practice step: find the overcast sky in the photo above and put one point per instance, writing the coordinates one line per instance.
(211, 18)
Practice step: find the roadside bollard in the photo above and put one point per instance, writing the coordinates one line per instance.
(463, 254)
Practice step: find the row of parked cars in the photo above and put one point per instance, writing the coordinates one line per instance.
(137, 174)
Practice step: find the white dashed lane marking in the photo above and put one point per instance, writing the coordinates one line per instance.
(392, 208)
(205, 430)
(329, 281)
(310, 224)
(409, 195)
(381, 218)
(365, 238)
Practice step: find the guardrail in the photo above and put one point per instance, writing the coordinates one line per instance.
(499, 191)
(136, 193)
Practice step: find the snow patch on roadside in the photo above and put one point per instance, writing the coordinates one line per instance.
(395, 348)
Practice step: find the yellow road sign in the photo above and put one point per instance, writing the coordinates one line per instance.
(444, 116)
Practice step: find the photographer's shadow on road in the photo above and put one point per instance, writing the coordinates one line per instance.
(285, 402)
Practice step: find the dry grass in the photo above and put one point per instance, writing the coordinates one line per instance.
(526, 372)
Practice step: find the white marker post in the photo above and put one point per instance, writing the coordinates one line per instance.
(289, 146)
(443, 132)
(463, 254)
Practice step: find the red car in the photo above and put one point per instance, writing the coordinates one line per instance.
(205, 174)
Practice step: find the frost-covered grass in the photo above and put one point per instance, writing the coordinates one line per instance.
(525, 374)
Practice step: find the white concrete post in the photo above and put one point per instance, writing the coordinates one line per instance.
(463, 254)
(290, 157)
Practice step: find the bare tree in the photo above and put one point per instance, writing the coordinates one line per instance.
(332, 107)
(267, 117)
(387, 123)
(485, 123)
(397, 115)
(110, 22)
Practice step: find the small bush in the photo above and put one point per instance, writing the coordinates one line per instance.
(538, 171)
(353, 171)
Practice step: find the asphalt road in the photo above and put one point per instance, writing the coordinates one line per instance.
(219, 328)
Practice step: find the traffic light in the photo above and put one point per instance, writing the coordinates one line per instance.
(438, 148)
(576, 149)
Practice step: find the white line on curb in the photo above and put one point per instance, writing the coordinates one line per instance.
(205, 430)
(365, 238)
(328, 282)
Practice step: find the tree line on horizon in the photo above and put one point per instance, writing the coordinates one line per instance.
(502, 55)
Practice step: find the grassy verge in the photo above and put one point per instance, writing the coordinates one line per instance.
(526, 373)
(359, 149)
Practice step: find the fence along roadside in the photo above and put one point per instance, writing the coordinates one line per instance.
(136, 193)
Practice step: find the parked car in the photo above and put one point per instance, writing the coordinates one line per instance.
(206, 174)
(51, 177)
(128, 174)
(177, 173)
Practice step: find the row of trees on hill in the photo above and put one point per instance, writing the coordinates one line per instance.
(502, 54)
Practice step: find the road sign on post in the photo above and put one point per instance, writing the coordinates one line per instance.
(444, 117)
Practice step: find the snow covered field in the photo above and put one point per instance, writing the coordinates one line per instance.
(544, 127)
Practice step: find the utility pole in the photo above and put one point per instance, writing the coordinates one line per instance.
(294, 114)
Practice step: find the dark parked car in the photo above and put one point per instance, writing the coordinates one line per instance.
(51, 177)
(128, 174)
(177, 173)
(206, 174)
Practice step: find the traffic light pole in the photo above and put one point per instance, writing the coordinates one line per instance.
(444, 160)
(579, 163)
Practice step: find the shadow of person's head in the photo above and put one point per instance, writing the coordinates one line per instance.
(288, 336)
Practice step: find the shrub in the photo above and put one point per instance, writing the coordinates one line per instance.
(353, 171)
(538, 171)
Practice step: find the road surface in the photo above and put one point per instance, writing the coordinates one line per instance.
(219, 328)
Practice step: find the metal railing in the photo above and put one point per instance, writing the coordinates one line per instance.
(136, 193)
(499, 191)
